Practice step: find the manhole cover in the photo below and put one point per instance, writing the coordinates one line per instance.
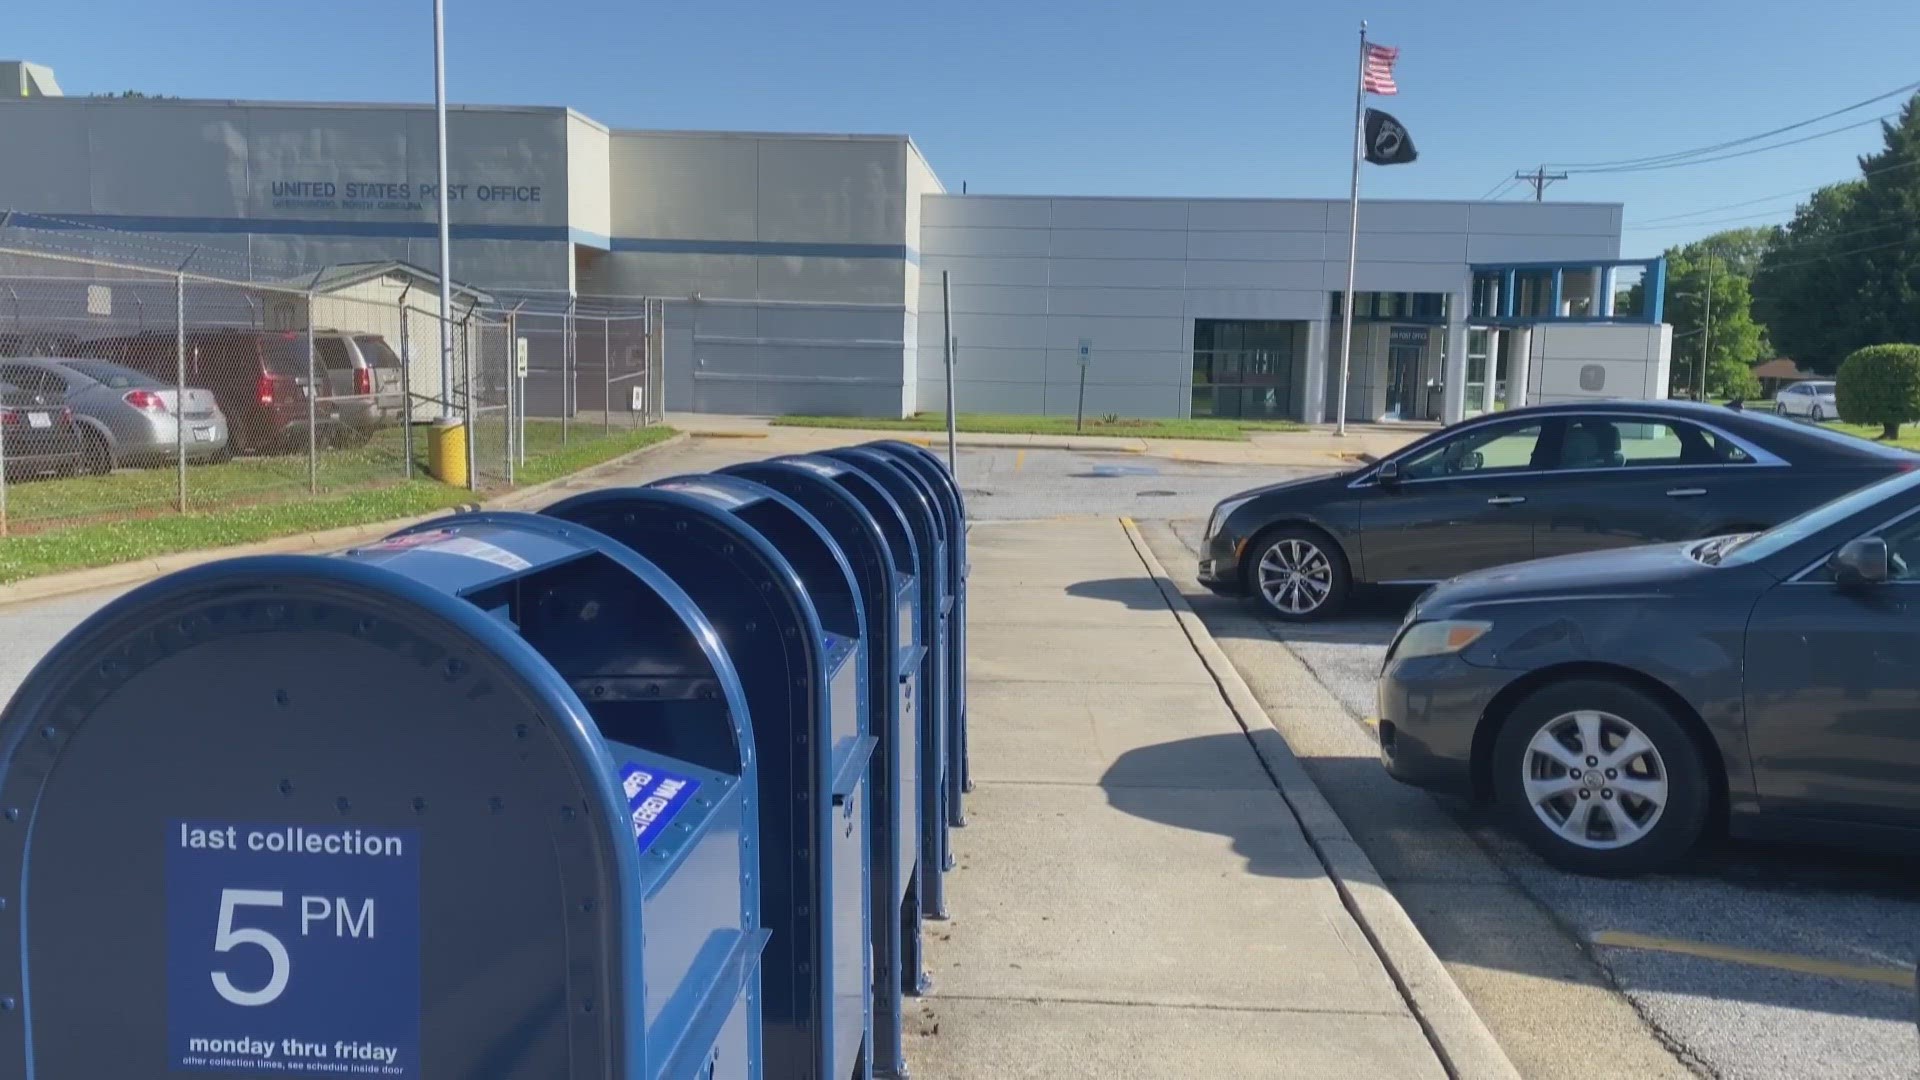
(1155, 494)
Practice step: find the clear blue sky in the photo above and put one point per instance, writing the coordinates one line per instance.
(1083, 97)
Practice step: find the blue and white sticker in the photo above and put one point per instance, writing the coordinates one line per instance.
(293, 949)
(654, 798)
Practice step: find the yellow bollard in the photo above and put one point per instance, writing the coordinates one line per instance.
(447, 452)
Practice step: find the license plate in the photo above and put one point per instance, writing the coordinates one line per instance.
(39, 420)
(203, 434)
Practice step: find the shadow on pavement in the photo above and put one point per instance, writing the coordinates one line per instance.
(1415, 837)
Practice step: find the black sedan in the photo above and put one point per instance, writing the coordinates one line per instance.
(1616, 704)
(1530, 483)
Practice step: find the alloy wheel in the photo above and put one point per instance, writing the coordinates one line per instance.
(1295, 576)
(1595, 780)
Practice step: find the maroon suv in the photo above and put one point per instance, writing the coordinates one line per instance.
(259, 379)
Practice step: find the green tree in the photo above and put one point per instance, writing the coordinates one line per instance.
(1845, 273)
(1880, 384)
(1735, 341)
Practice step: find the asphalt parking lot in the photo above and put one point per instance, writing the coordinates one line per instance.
(1755, 962)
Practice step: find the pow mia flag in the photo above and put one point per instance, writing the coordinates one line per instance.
(1387, 141)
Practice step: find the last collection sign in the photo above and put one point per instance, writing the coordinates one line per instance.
(293, 949)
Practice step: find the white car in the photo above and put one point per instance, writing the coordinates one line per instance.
(1813, 400)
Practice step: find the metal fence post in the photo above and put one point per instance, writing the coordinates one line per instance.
(406, 390)
(466, 341)
(180, 388)
(313, 407)
(513, 399)
(3, 472)
(567, 350)
(606, 375)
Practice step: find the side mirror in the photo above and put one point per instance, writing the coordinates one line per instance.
(1860, 562)
(1388, 472)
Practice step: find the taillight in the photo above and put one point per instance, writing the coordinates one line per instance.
(145, 400)
(66, 415)
(263, 389)
(363, 381)
(9, 416)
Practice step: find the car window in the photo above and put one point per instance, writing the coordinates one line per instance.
(108, 373)
(287, 354)
(1601, 442)
(33, 380)
(333, 354)
(1494, 448)
(377, 352)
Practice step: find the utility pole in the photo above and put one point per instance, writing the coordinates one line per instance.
(1539, 178)
(1706, 332)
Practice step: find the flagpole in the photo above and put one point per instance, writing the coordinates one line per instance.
(1353, 230)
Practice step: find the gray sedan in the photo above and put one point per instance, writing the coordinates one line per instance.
(1617, 704)
(123, 416)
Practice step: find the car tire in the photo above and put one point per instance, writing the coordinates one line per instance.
(1779, 408)
(96, 457)
(1297, 574)
(1817, 415)
(1548, 782)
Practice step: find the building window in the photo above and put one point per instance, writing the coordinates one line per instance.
(1248, 369)
(1393, 307)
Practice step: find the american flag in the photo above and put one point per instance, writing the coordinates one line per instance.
(1377, 77)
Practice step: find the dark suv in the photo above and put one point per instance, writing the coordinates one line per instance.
(258, 378)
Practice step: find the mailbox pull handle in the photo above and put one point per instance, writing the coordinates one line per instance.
(853, 769)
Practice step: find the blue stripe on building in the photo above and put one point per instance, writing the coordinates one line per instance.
(426, 230)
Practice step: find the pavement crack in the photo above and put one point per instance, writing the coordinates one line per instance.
(1196, 1006)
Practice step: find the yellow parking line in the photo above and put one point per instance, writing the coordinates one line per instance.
(1019, 459)
(1370, 721)
(1803, 965)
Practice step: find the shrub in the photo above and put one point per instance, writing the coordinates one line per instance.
(1880, 384)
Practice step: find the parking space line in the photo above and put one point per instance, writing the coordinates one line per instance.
(1902, 977)
(1019, 459)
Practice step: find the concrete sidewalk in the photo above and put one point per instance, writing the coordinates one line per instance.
(1317, 447)
(1134, 897)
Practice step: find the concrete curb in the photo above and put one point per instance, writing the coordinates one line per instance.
(1467, 1050)
(1096, 443)
(139, 570)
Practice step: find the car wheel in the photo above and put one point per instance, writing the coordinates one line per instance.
(1298, 574)
(1779, 408)
(1817, 414)
(96, 457)
(1599, 778)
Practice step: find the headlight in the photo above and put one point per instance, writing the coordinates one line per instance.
(1221, 513)
(1438, 638)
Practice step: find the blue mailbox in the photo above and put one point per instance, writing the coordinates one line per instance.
(476, 800)
(893, 660)
(783, 601)
(940, 480)
(917, 674)
(927, 525)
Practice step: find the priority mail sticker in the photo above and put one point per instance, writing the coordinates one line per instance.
(449, 542)
(654, 798)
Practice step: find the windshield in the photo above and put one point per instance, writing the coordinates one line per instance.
(1788, 533)
(377, 352)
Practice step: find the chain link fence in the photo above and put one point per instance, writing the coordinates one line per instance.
(128, 391)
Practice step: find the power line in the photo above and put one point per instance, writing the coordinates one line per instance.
(1735, 154)
(1730, 143)
(1836, 254)
(1647, 222)
(1495, 191)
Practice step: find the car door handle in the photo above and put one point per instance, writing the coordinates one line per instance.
(1506, 500)
(1685, 493)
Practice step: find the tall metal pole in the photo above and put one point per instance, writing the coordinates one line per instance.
(1353, 232)
(1706, 333)
(313, 405)
(946, 314)
(606, 374)
(446, 243)
(180, 389)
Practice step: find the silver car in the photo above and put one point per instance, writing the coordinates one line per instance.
(1813, 400)
(122, 416)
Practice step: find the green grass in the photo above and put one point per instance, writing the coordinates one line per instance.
(81, 522)
(1014, 424)
(1909, 434)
